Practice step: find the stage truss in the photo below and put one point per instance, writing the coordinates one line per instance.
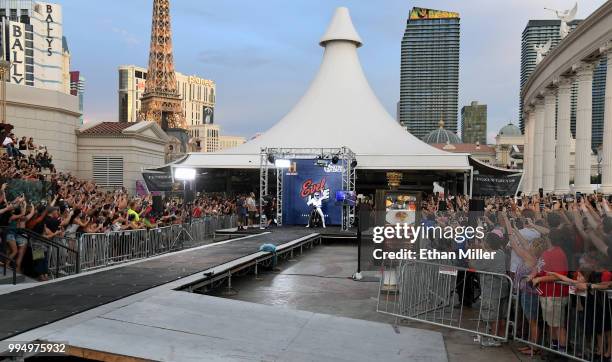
(346, 158)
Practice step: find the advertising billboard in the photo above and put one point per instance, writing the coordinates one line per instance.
(423, 13)
(301, 181)
(16, 50)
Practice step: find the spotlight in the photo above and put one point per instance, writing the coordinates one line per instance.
(271, 158)
(354, 164)
(335, 159)
(282, 163)
(185, 174)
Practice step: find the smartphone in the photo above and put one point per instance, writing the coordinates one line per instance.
(541, 192)
(519, 202)
(578, 196)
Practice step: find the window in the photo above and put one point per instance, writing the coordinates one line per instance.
(123, 79)
(2, 13)
(108, 171)
(13, 14)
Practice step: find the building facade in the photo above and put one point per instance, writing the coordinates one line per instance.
(77, 88)
(226, 142)
(539, 32)
(509, 147)
(50, 117)
(474, 123)
(429, 79)
(113, 154)
(198, 95)
(32, 40)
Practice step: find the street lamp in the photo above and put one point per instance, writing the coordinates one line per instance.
(5, 67)
(185, 174)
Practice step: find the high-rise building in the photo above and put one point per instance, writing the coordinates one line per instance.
(32, 39)
(429, 79)
(539, 32)
(474, 123)
(198, 95)
(77, 88)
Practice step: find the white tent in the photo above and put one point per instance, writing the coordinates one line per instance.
(339, 109)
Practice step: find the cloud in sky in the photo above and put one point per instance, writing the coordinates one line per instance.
(126, 36)
(262, 55)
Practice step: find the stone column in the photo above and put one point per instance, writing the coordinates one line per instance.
(548, 153)
(606, 162)
(527, 147)
(564, 134)
(584, 123)
(530, 138)
(538, 146)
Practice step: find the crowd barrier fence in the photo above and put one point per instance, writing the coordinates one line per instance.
(436, 293)
(573, 322)
(102, 249)
(560, 318)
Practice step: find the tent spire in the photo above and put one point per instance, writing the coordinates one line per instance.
(341, 28)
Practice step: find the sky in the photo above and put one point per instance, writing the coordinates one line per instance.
(263, 54)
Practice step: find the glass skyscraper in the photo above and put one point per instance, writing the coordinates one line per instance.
(429, 80)
(538, 32)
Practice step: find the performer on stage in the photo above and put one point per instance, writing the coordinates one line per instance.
(316, 201)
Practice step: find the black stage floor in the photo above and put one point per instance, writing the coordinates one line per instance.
(328, 232)
(30, 308)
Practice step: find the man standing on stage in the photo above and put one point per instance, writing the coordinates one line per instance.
(316, 201)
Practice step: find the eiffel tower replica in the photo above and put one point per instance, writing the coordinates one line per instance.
(161, 101)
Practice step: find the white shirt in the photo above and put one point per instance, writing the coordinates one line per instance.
(7, 141)
(529, 235)
(315, 201)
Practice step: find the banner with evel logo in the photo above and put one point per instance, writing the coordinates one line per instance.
(301, 181)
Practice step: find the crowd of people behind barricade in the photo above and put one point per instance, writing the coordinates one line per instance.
(548, 245)
(71, 206)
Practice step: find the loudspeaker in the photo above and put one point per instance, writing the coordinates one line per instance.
(477, 205)
(158, 204)
(189, 196)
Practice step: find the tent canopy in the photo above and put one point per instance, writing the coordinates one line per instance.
(339, 109)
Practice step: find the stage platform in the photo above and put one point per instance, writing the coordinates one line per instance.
(143, 311)
(45, 303)
(180, 326)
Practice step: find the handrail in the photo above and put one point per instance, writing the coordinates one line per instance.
(31, 234)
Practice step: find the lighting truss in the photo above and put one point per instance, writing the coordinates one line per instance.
(346, 158)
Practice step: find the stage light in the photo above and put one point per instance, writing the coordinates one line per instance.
(185, 174)
(271, 158)
(335, 159)
(354, 164)
(282, 163)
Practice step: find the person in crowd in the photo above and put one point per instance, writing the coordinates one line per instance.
(9, 145)
(530, 252)
(23, 144)
(494, 301)
(251, 209)
(554, 296)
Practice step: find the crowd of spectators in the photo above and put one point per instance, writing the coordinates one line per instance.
(545, 244)
(71, 206)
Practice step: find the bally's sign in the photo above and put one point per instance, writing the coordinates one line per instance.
(17, 52)
(49, 28)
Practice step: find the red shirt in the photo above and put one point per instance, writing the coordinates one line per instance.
(197, 212)
(554, 261)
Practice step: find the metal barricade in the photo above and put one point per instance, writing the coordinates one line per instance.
(446, 295)
(559, 318)
(103, 249)
(61, 259)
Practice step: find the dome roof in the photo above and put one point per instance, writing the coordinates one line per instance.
(441, 135)
(510, 130)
